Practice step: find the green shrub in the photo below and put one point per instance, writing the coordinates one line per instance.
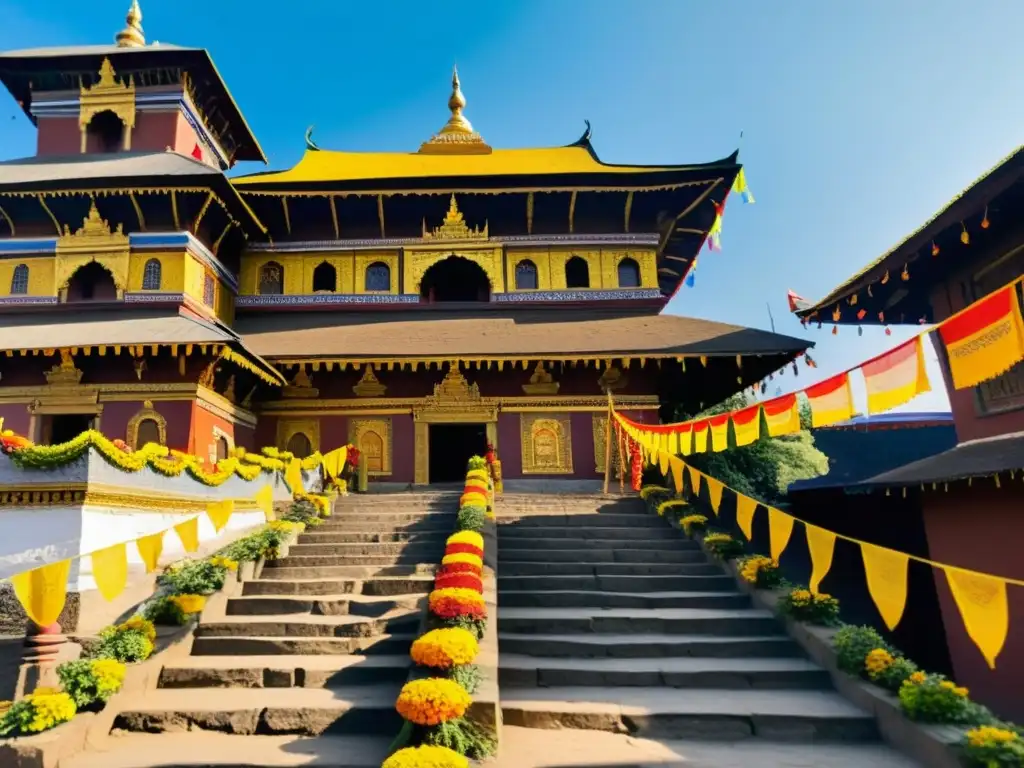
(193, 577)
(91, 681)
(722, 545)
(129, 642)
(813, 607)
(466, 675)
(476, 462)
(165, 612)
(471, 518)
(852, 646)
(934, 699)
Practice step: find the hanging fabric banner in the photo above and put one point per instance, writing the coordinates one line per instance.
(821, 544)
(983, 608)
(896, 377)
(715, 488)
(672, 446)
(719, 426)
(831, 401)
(739, 186)
(43, 591)
(293, 476)
(780, 528)
(219, 513)
(781, 415)
(886, 572)
(334, 461)
(110, 570)
(188, 533)
(700, 436)
(745, 508)
(694, 480)
(746, 425)
(663, 463)
(676, 466)
(985, 340)
(685, 439)
(265, 501)
(150, 548)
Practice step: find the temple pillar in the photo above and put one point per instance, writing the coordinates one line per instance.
(421, 448)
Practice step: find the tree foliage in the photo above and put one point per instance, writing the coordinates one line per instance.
(764, 469)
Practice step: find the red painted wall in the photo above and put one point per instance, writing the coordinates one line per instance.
(980, 527)
(334, 432)
(201, 440)
(245, 437)
(58, 136)
(403, 445)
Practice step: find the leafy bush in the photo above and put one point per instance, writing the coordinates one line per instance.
(813, 607)
(888, 669)
(934, 699)
(40, 711)
(129, 642)
(691, 524)
(466, 675)
(994, 747)
(471, 518)
(852, 646)
(476, 462)
(254, 546)
(90, 681)
(165, 612)
(760, 571)
(723, 546)
(194, 577)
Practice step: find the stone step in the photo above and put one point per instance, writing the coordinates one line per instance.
(723, 715)
(510, 531)
(519, 568)
(554, 507)
(313, 587)
(646, 600)
(360, 525)
(299, 625)
(291, 573)
(540, 521)
(431, 549)
(646, 646)
(660, 542)
(203, 749)
(284, 671)
(701, 578)
(391, 518)
(325, 605)
(317, 561)
(690, 621)
(679, 672)
(346, 536)
(593, 555)
(388, 644)
(364, 710)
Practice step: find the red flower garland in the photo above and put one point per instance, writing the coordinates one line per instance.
(636, 466)
(469, 549)
(463, 580)
(459, 568)
(450, 608)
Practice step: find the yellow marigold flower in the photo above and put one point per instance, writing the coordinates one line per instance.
(988, 734)
(224, 562)
(918, 678)
(140, 625)
(45, 690)
(445, 648)
(189, 603)
(877, 661)
(462, 557)
(50, 710)
(462, 594)
(432, 701)
(472, 538)
(715, 538)
(426, 756)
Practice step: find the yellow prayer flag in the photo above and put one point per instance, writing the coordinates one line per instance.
(673, 443)
(700, 436)
(886, 572)
(983, 608)
(719, 427)
(694, 480)
(780, 528)
(746, 425)
(110, 570)
(663, 462)
(715, 488)
(42, 591)
(265, 501)
(188, 534)
(676, 466)
(219, 513)
(821, 544)
(150, 548)
(293, 476)
(745, 508)
(334, 461)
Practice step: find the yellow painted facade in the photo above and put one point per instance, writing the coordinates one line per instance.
(349, 266)
(40, 275)
(42, 272)
(195, 275)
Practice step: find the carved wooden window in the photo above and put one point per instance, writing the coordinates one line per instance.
(325, 278)
(271, 281)
(1005, 392)
(526, 275)
(209, 290)
(378, 277)
(299, 445)
(149, 432)
(577, 273)
(19, 281)
(629, 274)
(152, 273)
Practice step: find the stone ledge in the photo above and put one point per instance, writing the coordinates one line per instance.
(48, 749)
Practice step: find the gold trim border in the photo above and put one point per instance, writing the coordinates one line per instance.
(118, 497)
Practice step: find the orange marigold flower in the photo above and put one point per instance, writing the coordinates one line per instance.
(432, 701)
(445, 648)
(462, 557)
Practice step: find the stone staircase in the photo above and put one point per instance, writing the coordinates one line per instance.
(317, 646)
(610, 620)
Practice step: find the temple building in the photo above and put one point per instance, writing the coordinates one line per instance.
(419, 304)
(960, 506)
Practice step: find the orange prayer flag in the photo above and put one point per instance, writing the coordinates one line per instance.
(745, 508)
(676, 465)
(780, 528)
(821, 543)
(896, 377)
(986, 340)
(831, 401)
(685, 439)
(719, 426)
(715, 488)
(700, 436)
(694, 480)
(746, 424)
(782, 415)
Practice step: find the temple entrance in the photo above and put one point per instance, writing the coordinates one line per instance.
(455, 279)
(91, 282)
(451, 445)
(62, 427)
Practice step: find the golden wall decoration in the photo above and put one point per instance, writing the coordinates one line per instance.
(541, 382)
(418, 261)
(546, 444)
(364, 259)
(456, 401)
(602, 264)
(454, 227)
(95, 241)
(421, 453)
(288, 428)
(109, 94)
(372, 436)
(600, 425)
(146, 413)
(369, 385)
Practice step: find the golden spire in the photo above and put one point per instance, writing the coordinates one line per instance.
(457, 137)
(132, 35)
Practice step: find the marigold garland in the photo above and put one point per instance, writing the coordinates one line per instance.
(426, 756)
(462, 558)
(445, 648)
(459, 581)
(467, 537)
(432, 701)
(451, 602)
(460, 567)
(465, 549)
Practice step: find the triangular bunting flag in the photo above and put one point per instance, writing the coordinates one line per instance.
(265, 501)
(745, 508)
(821, 544)
(983, 608)
(886, 572)
(694, 480)
(714, 492)
(780, 528)
(188, 533)
(42, 591)
(219, 513)
(110, 570)
(293, 476)
(676, 466)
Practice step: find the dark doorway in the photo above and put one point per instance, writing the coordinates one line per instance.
(62, 427)
(455, 279)
(91, 282)
(451, 445)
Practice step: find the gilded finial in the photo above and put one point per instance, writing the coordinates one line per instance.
(132, 35)
(457, 123)
(457, 136)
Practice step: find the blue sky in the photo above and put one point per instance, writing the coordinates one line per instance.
(860, 119)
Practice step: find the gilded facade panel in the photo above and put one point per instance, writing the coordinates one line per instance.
(289, 428)
(146, 413)
(611, 258)
(363, 259)
(372, 436)
(342, 263)
(600, 426)
(417, 262)
(546, 444)
(40, 275)
(558, 259)
(541, 259)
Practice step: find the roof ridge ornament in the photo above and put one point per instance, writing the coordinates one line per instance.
(454, 226)
(132, 35)
(457, 136)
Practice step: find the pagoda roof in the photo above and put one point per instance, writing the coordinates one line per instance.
(996, 194)
(64, 68)
(975, 458)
